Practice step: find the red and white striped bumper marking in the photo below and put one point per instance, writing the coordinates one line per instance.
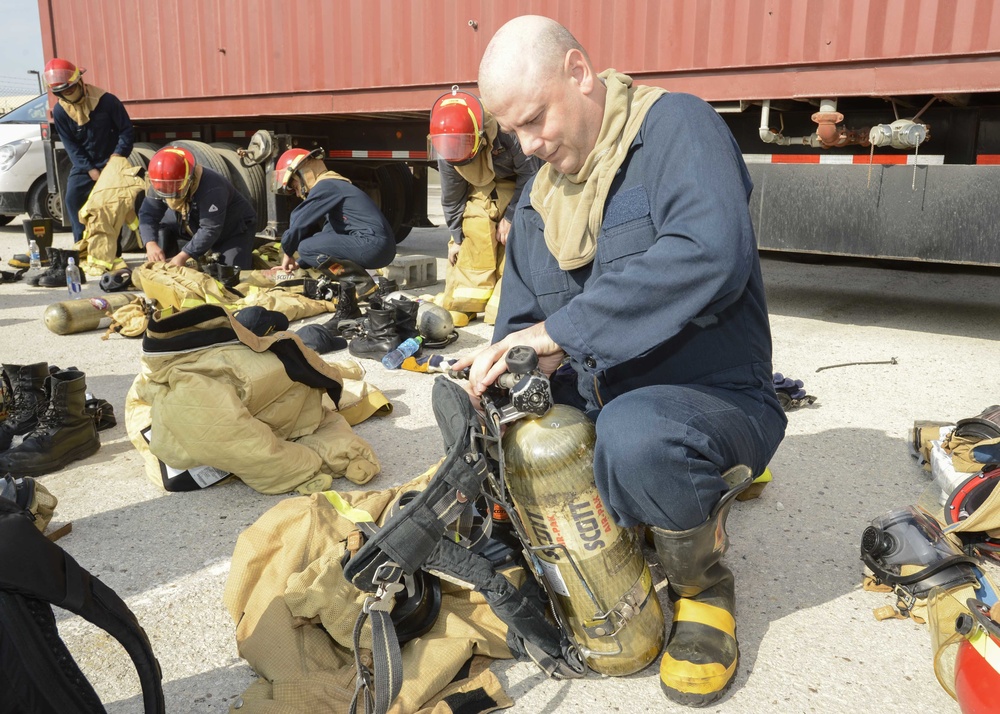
(909, 160)
(362, 154)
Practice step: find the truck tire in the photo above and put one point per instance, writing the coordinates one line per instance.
(395, 189)
(42, 204)
(250, 181)
(141, 154)
(4, 220)
(205, 155)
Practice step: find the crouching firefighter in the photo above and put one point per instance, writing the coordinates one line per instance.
(588, 601)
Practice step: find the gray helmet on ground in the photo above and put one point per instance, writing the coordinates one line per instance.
(434, 322)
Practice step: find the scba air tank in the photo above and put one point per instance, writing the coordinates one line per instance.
(550, 476)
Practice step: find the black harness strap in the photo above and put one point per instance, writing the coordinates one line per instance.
(33, 566)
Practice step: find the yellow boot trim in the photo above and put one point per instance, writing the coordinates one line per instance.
(690, 677)
(688, 610)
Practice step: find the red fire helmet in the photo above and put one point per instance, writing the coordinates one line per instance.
(170, 171)
(61, 74)
(289, 164)
(457, 127)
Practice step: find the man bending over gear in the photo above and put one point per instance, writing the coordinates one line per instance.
(483, 172)
(92, 125)
(192, 210)
(335, 221)
(633, 259)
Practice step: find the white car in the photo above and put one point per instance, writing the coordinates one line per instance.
(23, 186)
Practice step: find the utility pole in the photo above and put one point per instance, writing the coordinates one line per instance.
(41, 89)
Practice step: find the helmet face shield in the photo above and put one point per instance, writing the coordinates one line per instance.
(61, 76)
(169, 188)
(171, 171)
(456, 148)
(456, 128)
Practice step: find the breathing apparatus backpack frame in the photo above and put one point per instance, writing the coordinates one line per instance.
(417, 538)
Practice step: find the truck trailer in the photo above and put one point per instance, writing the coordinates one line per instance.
(870, 127)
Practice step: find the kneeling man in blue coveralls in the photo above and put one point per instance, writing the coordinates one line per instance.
(632, 270)
(335, 221)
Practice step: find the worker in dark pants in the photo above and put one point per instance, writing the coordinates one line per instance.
(193, 211)
(335, 221)
(92, 125)
(632, 270)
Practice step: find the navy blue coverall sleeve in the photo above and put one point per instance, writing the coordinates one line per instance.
(308, 217)
(151, 213)
(697, 189)
(454, 194)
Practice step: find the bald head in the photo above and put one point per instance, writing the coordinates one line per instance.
(539, 84)
(529, 50)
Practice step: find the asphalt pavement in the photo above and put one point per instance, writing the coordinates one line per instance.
(879, 346)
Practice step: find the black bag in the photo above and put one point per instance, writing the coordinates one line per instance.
(37, 672)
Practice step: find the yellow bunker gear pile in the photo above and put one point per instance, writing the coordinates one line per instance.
(211, 393)
(295, 612)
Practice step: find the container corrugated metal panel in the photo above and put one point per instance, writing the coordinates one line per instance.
(238, 58)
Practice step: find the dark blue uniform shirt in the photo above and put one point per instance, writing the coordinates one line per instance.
(674, 294)
(109, 131)
(217, 211)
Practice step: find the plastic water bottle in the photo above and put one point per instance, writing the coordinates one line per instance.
(34, 256)
(405, 349)
(73, 278)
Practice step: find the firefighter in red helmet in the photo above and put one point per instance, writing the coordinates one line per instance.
(335, 221)
(483, 172)
(92, 125)
(192, 210)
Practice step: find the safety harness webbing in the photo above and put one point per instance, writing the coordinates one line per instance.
(416, 538)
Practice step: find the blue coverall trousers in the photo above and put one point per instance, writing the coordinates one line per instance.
(661, 450)
(78, 188)
(366, 249)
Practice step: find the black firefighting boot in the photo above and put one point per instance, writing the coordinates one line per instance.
(55, 276)
(65, 431)
(700, 658)
(406, 317)
(385, 286)
(28, 387)
(347, 303)
(54, 261)
(379, 335)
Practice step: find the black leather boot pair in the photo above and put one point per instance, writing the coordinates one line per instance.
(55, 275)
(59, 429)
(386, 325)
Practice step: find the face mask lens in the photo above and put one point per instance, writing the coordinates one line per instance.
(451, 147)
(167, 188)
